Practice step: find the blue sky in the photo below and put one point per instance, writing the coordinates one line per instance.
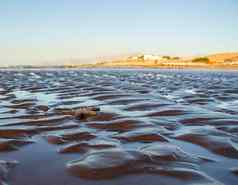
(35, 31)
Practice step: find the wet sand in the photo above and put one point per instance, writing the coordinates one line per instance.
(154, 127)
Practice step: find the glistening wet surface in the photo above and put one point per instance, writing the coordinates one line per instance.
(154, 127)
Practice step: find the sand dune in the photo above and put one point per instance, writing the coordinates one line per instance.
(220, 60)
(221, 57)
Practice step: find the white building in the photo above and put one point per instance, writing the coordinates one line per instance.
(152, 57)
(146, 57)
(133, 58)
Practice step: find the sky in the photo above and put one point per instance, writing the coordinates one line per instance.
(55, 31)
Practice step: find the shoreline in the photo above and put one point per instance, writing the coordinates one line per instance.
(132, 66)
(126, 67)
(179, 67)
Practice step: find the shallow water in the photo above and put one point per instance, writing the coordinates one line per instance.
(154, 126)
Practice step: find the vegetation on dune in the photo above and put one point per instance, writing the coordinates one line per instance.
(141, 58)
(228, 60)
(201, 60)
(170, 58)
(166, 57)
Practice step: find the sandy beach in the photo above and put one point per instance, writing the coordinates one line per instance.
(151, 126)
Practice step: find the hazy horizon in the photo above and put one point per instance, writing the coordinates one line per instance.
(52, 32)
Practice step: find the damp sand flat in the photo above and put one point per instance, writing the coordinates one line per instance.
(154, 126)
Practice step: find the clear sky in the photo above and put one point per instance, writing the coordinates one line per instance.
(55, 30)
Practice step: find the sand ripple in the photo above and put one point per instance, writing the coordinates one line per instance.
(154, 126)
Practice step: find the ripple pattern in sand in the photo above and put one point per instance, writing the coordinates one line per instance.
(175, 127)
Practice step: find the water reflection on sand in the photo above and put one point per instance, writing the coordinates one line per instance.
(155, 126)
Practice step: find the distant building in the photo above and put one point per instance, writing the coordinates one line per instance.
(152, 57)
(146, 57)
(133, 58)
(234, 62)
(231, 62)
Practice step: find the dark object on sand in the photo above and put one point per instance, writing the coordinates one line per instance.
(81, 113)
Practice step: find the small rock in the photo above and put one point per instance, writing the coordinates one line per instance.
(84, 113)
(81, 113)
(43, 108)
